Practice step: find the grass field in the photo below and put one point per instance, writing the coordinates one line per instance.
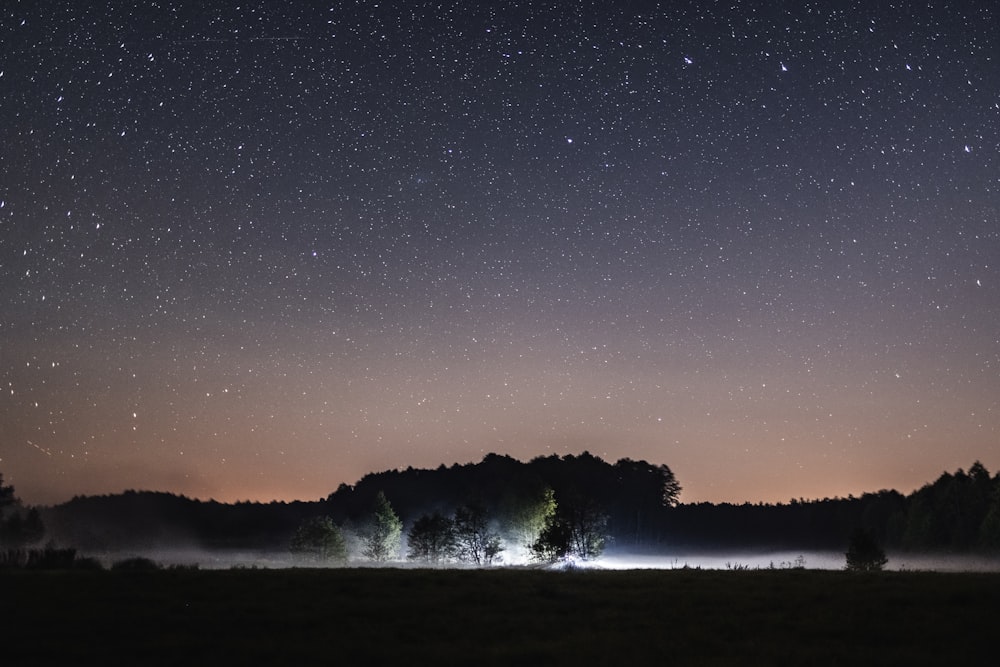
(498, 617)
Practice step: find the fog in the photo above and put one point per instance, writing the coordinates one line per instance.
(206, 559)
(810, 560)
(735, 560)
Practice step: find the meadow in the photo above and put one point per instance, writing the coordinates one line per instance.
(375, 616)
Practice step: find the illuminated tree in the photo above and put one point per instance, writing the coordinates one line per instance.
(864, 554)
(431, 539)
(524, 516)
(319, 540)
(381, 541)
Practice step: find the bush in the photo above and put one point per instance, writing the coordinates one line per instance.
(319, 540)
(864, 554)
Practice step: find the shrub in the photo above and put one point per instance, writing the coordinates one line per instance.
(864, 554)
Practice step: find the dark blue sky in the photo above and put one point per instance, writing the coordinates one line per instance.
(255, 252)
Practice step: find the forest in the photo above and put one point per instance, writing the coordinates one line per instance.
(504, 511)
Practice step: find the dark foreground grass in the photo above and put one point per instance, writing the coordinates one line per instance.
(498, 617)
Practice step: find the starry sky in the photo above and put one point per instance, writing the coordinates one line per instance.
(253, 252)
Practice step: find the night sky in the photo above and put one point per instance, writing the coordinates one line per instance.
(254, 252)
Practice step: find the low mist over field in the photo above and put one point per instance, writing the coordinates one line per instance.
(747, 560)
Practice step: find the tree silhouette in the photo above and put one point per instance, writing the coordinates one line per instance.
(864, 554)
(7, 497)
(319, 540)
(670, 488)
(950, 512)
(989, 531)
(588, 527)
(475, 541)
(431, 539)
(18, 528)
(577, 529)
(553, 542)
(382, 539)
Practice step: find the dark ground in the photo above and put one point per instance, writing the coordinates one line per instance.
(498, 617)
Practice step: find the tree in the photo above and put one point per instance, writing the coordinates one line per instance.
(640, 495)
(588, 528)
(553, 542)
(475, 541)
(382, 539)
(989, 531)
(864, 554)
(18, 528)
(949, 513)
(670, 487)
(577, 529)
(431, 539)
(319, 540)
(7, 497)
(524, 515)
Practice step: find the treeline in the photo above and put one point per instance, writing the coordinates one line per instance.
(141, 520)
(629, 495)
(959, 512)
(635, 503)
